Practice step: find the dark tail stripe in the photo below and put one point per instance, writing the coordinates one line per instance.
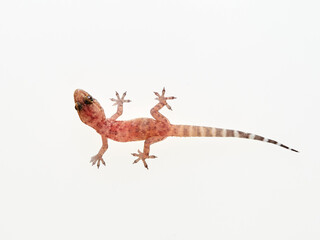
(186, 131)
(230, 133)
(272, 141)
(208, 132)
(243, 134)
(218, 132)
(257, 137)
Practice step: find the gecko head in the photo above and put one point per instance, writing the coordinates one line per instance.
(88, 108)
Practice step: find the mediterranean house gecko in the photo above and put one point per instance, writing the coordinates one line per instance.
(149, 130)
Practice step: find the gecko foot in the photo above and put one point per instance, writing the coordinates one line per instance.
(162, 99)
(119, 101)
(141, 156)
(97, 159)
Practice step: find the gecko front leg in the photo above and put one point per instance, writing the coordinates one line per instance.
(98, 158)
(119, 101)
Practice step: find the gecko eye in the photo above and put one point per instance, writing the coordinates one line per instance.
(88, 100)
(78, 106)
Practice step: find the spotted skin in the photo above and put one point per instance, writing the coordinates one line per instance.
(149, 130)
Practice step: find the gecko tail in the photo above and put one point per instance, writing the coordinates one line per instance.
(198, 131)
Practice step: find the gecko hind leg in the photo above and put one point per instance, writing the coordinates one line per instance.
(146, 149)
(162, 102)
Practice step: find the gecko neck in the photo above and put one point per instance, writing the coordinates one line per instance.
(102, 127)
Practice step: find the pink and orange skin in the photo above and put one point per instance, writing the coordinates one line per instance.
(149, 130)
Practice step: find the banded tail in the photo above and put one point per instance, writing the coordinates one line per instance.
(198, 131)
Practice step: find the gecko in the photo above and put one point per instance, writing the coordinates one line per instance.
(149, 130)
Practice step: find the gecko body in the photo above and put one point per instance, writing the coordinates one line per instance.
(149, 130)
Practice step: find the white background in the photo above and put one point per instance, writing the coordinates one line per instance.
(246, 65)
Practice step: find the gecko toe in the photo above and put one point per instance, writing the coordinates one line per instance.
(162, 99)
(96, 160)
(119, 101)
(142, 156)
(137, 160)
